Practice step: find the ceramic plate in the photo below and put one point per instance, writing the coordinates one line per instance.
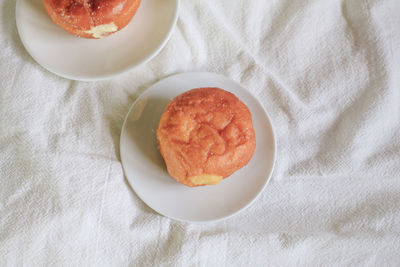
(146, 172)
(85, 59)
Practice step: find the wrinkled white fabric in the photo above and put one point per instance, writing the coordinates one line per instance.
(327, 72)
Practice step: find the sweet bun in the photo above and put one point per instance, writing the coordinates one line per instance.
(91, 18)
(205, 135)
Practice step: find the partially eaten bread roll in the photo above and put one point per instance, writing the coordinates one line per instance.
(205, 135)
(91, 18)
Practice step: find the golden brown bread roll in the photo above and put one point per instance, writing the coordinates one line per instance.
(205, 135)
(91, 18)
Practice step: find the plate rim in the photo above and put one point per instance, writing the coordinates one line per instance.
(99, 77)
(268, 178)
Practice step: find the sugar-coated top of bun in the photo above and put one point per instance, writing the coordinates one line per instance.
(205, 135)
(91, 18)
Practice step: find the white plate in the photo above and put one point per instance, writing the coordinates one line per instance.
(146, 171)
(85, 59)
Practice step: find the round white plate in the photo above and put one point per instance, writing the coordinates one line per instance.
(146, 171)
(88, 60)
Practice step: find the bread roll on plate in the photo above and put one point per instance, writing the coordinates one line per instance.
(91, 18)
(205, 135)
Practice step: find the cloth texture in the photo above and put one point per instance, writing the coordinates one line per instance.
(328, 74)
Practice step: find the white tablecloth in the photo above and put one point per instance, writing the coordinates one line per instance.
(327, 72)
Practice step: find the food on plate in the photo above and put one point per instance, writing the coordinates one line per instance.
(91, 18)
(205, 135)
